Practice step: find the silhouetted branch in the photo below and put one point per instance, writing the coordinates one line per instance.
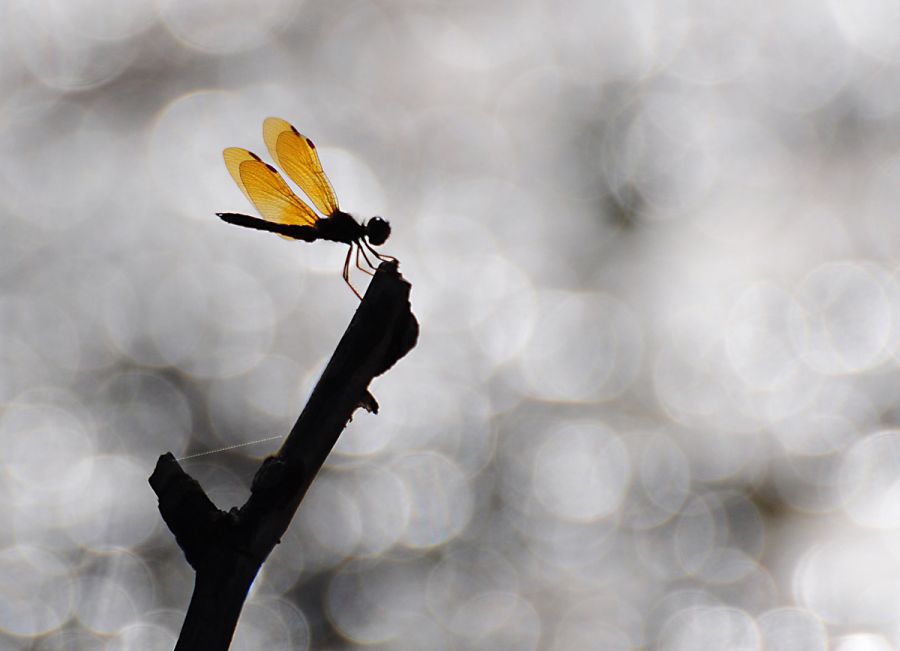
(226, 550)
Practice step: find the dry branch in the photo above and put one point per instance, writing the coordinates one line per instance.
(226, 549)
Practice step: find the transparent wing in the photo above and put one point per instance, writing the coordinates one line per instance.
(266, 190)
(296, 155)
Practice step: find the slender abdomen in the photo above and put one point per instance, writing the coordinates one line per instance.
(297, 232)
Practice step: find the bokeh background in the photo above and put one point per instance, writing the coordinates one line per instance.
(654, 254)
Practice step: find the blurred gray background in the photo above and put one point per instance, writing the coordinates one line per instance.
(653, 249)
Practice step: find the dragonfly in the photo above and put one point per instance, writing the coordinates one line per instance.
(284, 213)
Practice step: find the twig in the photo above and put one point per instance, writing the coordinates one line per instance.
(226, 550)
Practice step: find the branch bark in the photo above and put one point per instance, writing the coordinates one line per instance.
(226, 549)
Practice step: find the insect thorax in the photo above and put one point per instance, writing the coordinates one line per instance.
(340, 227)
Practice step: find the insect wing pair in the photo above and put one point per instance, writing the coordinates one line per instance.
(286, 214)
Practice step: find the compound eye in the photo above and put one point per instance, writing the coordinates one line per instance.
(377, 231)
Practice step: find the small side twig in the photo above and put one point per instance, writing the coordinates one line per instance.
(226, 549)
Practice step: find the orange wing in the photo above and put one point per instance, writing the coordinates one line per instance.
(296, 155)
(266, 189)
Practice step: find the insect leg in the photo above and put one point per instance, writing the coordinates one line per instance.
(346, 273)
(359, 250)
(368, 262)
(380, 256)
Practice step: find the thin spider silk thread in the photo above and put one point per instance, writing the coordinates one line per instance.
(229, 447)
